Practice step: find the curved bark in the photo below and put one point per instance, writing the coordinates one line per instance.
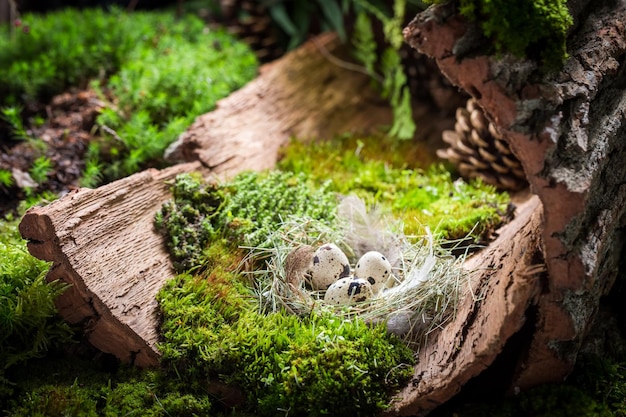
(567, 129)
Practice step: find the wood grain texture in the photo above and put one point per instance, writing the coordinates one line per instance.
(505, 280)
(567, 129)
(103, 243)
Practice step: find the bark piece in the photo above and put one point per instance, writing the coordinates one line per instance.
(505, 280)
(312, 93)
(567, 129)
(103, 243)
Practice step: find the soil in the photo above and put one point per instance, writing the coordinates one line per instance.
(63, 138)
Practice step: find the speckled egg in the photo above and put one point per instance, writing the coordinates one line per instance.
(348, 290)
(329, 264)
(375, 268)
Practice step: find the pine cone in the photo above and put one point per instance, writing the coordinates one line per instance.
(250, 21)
(478, 150)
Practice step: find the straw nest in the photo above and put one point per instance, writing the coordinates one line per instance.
(429, 281)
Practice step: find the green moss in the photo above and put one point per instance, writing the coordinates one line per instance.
(155, 73)
(318, 365)
(523, 27)
(163, 85)
(70, 385)
(244, 211)
(543, 401)
(376, 172)
(28, 322)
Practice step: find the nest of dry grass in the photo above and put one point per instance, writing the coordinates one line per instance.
(430, 281)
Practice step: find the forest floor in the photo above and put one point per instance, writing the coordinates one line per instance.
(62, 137)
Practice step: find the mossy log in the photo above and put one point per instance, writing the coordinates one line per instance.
(103, 244)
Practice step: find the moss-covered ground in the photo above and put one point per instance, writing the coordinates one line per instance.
(214, 331)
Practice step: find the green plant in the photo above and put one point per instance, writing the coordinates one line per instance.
(394, 81)
(162, 86)
(6, 178)
(246, 210)
(452, 209)
(318, 365)
(93, 171)
(28, 322)
(68, 48)
(13, 116)
(40, 169)
(533, 28)
(296, 19)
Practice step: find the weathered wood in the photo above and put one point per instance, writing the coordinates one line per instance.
(505, 280)
(313, 93)
(103, 243)
(567, 129)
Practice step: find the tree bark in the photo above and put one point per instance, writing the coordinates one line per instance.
(567, 129)
(313, 93)
(102, 242)
(504, 283)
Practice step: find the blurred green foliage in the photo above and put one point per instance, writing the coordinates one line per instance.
(155, 73)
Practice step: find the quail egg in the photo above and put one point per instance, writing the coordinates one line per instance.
(348, 290)
(329, 264)
(375, 268)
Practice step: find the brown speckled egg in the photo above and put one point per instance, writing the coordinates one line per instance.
(348, 290)
(329, 265)
(375, 268)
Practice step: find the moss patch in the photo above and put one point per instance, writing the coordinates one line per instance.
(377, 173)
(28, 322)
(246, 210)
(527, 28)
(317, 365)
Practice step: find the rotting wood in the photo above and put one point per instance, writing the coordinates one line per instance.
(567, 129)
(103, 243)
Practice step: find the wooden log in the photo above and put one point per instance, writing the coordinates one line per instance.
(102, 242)
(567, 129)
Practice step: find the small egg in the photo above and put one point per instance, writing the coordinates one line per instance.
(348, 290)
(329, 264)
(375, 268)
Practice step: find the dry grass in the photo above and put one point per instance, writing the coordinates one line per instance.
(429, 280)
